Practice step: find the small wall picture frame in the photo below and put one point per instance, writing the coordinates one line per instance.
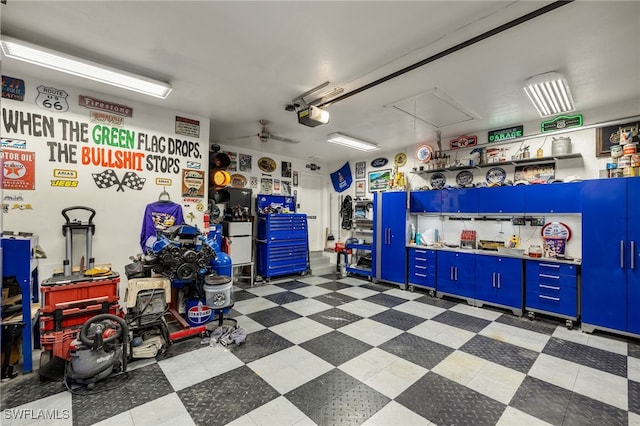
(361, 188)
(379, 180)
(295, 178)
(361, 169)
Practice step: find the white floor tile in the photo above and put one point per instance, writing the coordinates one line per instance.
(497, 382)
(608, 343)
(396, 414)
(300, 330)
(265, 290)
(514, 417)
(122, 419)
(633, 368)
(279, 412)
(555, 370)
(404, 294)
(476, 312)
(249, 325)
(363, 308)
(460, 367)
(394, 379)
(634, 419)
(307, 307)
(516, 336)
(369, 331)
(605, 387)
(353, 281)
(314, 280)
(255, 304)
(358, 292)
(57, 406)
(289, 368)
(442, 333)
(369, 363)
(167, 410)
(418, 309)
(242, 421)
(574, 335)
(311, 291)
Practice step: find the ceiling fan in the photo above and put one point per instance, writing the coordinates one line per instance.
(265, 135)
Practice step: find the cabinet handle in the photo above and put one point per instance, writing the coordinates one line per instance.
(456, 273)
(493, 279)
(421, 258)
(421, 251)
(420, 275)
(549, 287)
(555, 299)
(420, 267)
(451, 273)
(499, 279)
(550, 265)
(622, 254)
(633, 255)
(555, 277)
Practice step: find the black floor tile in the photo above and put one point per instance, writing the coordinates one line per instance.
(467, 322)
(414, 348)
(181, 347)
(398, 319)
(583, 410)
(386, 300)
(242, 295)
(321, 391)
(119, 393)
(334, 285)
(501, 353)
(445, 402)
(224, 398)
(434, 301)
(284, 297)
(634, 349)
(539, 325)
(542, 400)
(27, 388)
(292, 285)
(335, 347)
(351, 408)
(335, 318)
(273, 316)
(586, 355)
(634, 397)
(378, 287)
(260, 344)
(335, 298)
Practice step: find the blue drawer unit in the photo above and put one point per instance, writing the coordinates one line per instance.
(422, 268)
(464, 200)
(553, 198)
(552, 289)
(282, 246)
(499, 282)
(425, 201)
(456, 275)
(503, 199)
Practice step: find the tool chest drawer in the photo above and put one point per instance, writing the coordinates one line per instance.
(552, 288)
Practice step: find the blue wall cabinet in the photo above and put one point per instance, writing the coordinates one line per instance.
(554, 198)
(425, 201)
(503, 199)
(610, 255)
(552, 289)
(499, 282)
(421, 268)
(390, 233)
(463, 200)
(456, 275)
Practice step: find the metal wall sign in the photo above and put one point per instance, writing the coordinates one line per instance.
(506, 134)
(561, 122)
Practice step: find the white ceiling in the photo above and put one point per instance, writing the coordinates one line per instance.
(237, 61)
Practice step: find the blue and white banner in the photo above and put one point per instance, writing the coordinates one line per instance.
(341, 179)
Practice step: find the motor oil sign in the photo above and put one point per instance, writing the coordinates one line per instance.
(199, 314)
(18, 170)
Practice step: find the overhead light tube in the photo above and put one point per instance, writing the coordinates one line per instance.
(348, 141)
(48, 58)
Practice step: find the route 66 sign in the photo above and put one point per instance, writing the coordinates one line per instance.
(52, 99)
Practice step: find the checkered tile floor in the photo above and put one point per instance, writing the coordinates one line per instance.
(350, 352)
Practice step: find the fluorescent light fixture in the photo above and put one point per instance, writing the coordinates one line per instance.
(550, 94)
(37, 55)
(350, 142)
(313, 116)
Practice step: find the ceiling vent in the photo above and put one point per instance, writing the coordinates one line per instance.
(434, 107)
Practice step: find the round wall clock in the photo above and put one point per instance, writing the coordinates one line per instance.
(424, 153)
(556, 230)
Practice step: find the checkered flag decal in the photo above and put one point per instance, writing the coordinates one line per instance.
(108, 178)
(133, 181)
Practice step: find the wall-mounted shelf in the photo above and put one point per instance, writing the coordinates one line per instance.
(510, 162)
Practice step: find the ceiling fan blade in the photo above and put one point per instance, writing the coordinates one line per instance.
(240, 137)
(282, 139)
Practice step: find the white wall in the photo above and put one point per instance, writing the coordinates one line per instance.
(119, 214)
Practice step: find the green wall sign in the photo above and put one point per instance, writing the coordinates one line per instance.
(506, 134)
(562, 122)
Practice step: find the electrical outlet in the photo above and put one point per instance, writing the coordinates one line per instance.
(518, 221)
(537, 221)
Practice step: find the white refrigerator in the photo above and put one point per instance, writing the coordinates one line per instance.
(240, 238)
